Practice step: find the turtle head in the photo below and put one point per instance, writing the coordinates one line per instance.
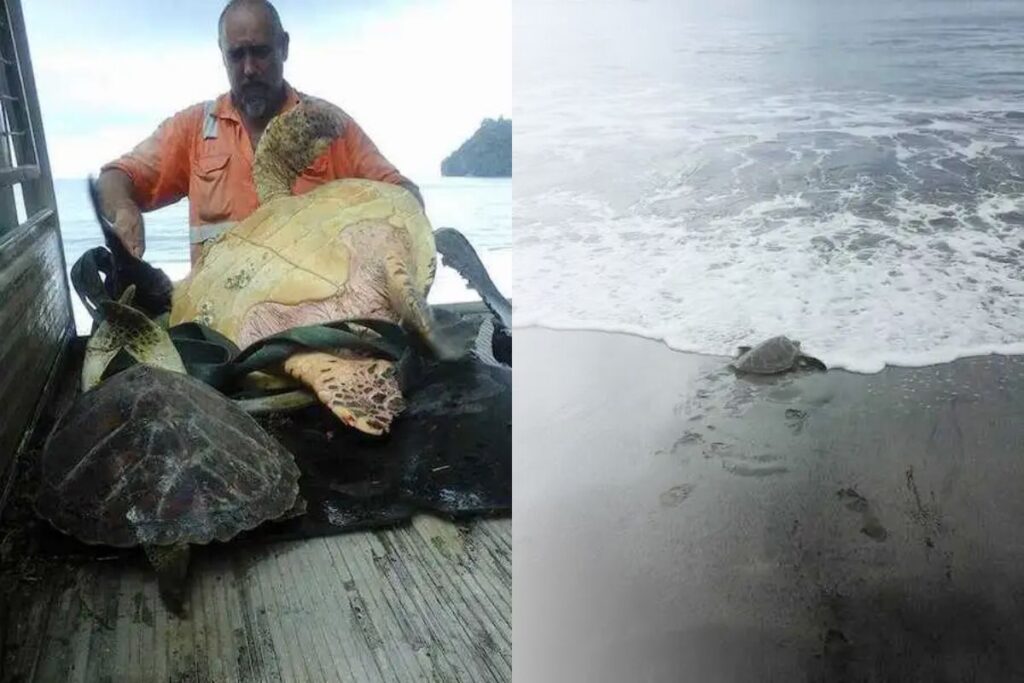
(293, 140)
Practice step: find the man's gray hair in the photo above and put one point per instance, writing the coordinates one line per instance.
(275, 18)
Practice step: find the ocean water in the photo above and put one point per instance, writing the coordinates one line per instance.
(480, 208)
(711, 174)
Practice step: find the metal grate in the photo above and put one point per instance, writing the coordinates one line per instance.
(36, 321)
(26, 188)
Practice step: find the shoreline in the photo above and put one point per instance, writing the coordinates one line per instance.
(676, 522)
(956, 357)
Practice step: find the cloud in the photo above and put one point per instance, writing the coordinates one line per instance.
(419, 83)
(418, 78)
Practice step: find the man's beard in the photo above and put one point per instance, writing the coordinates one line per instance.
(255, 102)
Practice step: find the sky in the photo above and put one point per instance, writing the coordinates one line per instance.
(417, 75)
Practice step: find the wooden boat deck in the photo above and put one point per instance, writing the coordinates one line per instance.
(430, 601)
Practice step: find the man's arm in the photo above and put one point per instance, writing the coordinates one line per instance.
(152, 175)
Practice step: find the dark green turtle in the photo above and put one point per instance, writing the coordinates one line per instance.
(775, 355)
(158, 459)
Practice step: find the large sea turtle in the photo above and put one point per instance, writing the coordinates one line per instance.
(772, 356)
(156, 458)
(349, 249)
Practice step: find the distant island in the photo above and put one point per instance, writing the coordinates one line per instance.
(488, 154)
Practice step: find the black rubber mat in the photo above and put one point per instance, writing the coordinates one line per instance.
(449, 452)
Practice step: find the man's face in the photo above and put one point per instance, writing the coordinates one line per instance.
(254, 58)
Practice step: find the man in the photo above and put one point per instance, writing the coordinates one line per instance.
(206, 151)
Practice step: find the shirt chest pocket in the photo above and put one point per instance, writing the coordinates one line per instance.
(210, 191)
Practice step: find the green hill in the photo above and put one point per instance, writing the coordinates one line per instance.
(488, 154)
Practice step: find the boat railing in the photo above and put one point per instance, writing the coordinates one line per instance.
(36, 318)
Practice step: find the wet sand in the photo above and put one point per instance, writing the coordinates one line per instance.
(676, 523)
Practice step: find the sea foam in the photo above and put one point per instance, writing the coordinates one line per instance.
(712, 178)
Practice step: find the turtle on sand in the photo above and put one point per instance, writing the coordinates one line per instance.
(154, 457)
(348, 249)
(773, 356)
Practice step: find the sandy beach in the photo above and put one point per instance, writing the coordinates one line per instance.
(674, 522)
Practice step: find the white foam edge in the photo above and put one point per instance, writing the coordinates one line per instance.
(859, 364)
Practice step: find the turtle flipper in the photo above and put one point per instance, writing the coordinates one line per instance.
(811, 363)
(459, 255)
(363, 392)
(501, 345)
(414, 312)
(171, 565)
(125, 328)
(154, 287)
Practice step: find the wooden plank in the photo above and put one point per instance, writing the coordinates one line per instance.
(35, 326)
(423, 602)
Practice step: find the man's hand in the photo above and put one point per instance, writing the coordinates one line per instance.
(118, 206)
(130, 229)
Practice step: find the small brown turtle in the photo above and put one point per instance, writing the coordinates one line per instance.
(775, 355)
(156, 458)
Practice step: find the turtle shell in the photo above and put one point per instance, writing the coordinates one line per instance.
(303, 248)
(155, 457)
(777, 354)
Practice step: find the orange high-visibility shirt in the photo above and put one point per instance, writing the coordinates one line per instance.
(204, 153)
